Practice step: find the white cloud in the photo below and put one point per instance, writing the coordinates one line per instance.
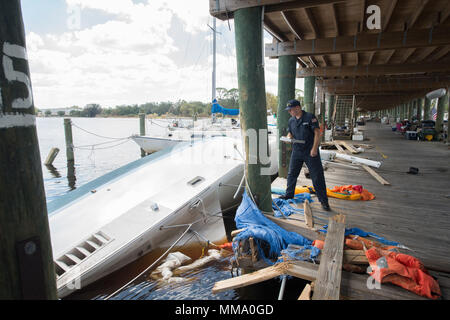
(129, 59)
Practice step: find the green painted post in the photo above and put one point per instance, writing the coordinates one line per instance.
(440, 113)
(309, 86)
(26, 262)
(330, 109)
(410, 110)
(69, 139)
(252, 102)
(426, 109)
(142, 130)
(286, 91)
(419, 109)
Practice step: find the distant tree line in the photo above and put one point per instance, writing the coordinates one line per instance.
(226, 98)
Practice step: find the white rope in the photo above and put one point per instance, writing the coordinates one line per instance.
(153, 264)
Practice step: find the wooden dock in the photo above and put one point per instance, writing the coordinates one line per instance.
(412, 210)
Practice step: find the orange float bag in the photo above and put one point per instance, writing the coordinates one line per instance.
(402, 270)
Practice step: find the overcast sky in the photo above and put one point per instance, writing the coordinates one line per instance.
(116, 52)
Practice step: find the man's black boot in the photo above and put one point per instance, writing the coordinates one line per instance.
(326, 207)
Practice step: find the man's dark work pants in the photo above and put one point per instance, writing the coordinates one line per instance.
(314, 165)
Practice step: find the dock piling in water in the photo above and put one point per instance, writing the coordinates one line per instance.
(69, 139)
(51, 156)
(142, 130)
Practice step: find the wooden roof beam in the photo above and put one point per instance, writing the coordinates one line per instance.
(417, 12)
(312, 22)
(375, 70)
(224, 9)
(439, 53)
(290, 23)
(363, 42)
(389, 57)
(387, 16)
(372, 54)
(383, 84)
(362, 18)
(336, 25)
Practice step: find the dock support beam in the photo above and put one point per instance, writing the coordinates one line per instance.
(419, 109)
(410, 110)
(286, 91)
(426, 109)
(252, 103)
(26, 263)
(309, 86)
(440, 113)
(330, 110)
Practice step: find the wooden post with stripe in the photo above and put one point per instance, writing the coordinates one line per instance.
(26, 263)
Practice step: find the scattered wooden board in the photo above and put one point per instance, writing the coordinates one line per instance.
(328, 281)
(303, 270)
(338, 146)
(250, 278)
(376, 175)
(306, 293)
(298, 227)
(349, 147)
(308, 214)
(355, 257)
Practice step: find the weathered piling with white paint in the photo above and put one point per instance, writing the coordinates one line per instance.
(26, 263)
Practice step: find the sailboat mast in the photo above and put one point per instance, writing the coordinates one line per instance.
(214, 61)
(213, 116)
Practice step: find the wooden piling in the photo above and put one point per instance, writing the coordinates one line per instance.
(426, 109)
(26, 262)
(69, 139)
(419, 109)
(309, 87)
(51, 156)
(142, 130)
(330, 109)
(286, 92)
(252, 102)
(440, 113)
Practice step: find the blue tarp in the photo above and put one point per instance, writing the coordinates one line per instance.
(256, 225)
(285, 205)
(296, 254)
(217, 108)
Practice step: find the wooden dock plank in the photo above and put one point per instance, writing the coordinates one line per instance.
(328, 281)
(376, 175)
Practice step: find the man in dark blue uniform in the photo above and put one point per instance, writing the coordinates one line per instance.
(304, 126)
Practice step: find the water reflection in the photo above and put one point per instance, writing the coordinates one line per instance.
(53, 171)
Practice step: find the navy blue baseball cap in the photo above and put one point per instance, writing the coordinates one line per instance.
(292, 104)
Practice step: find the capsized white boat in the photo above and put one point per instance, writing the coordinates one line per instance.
(147, 204)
